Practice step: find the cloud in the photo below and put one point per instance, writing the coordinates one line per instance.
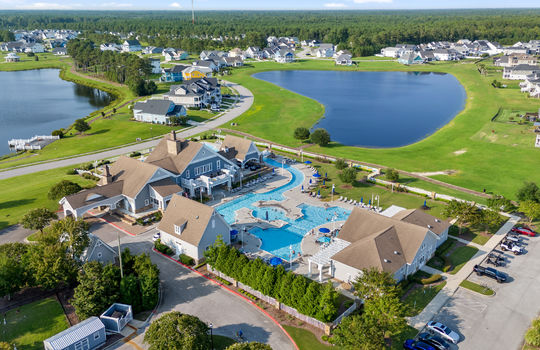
(335, 5)
(45, 6)
(373, 1)
(116, 4)
(176, 5)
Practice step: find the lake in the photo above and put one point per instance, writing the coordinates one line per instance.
(377, 109)
(36, 102)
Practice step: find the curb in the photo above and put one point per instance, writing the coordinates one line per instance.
(113, 225)
(232, 292)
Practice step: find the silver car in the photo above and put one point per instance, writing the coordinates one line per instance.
(442, 331)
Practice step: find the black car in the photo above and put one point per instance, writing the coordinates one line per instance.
(433, 340)
(490, 272)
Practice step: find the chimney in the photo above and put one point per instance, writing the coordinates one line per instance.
(108, 177)
(174, 146)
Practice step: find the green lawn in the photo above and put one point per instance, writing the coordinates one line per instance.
(398, 339)
(222, 342)
(478, 163)
(29, 325)
(475, 287)
(26, 192)
(460, 256)
(417, 300)
(306, 340)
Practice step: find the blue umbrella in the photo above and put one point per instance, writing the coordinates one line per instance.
(319, 192)
(273, 170)
(324, 230)
(310, 181)
(308, 162)
(323, 182)
(317, 175)
(275, 261)
(425, 204)
(302, 187)
(266, 216)
(361, 199)
(370, 202)
(325, 175)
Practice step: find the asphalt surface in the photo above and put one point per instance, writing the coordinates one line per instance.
(187, 292)
(242, 105)
(15, 233)
(499, 321)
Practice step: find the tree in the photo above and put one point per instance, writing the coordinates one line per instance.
(148, 274)
(354, 332)
(175, 330)
(13, 269)
(97, 289)
(465, 213)
(62, 189)
(341, 164)
(74, 232)
(301, 133)
(327, 304)
(392, 174)
(130, 292)
(491, 218)
(321, 137)
(59, 133)
(372, 282)
(38, 219)
(49, 263)
(531, 209)
(348, 175)
(298, 290)
(5, 346)
(249, 346)
(81, 125)
(529, 192)
(500, 203)
(532, 337)
(311, 299)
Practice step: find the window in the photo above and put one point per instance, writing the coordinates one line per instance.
(187, 174)
(146, 202)
(96, 336)
(218, 164)
(213, 223)
(82, 345)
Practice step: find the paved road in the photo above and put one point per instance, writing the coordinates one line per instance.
(15, 233)
(243, 104)
(187, 292)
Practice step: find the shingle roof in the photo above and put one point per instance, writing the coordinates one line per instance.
(133, 42)
(76, 333)
(237, 147)
(194, 215)
(134, 173)
(421, 218)
(175, 163)
(166, 187)
(160, 107)
(94, 195)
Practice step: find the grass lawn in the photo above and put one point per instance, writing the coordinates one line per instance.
(475, 287)
(473, 236)
(34, 323)
(26, 192)
(460, 256)
(221, 342)
(478, 162)
(418, 299)
(200, 115)
(306, 340)
(399, 338)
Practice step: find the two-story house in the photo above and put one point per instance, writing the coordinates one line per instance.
(131, 46)
(157, 111)
(196, 93)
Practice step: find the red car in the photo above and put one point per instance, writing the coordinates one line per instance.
(524, 231)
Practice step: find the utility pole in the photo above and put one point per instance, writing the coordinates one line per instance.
(120, 255)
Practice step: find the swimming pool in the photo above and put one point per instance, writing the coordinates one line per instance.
(278, 241)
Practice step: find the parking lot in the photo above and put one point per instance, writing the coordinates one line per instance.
(499, 321)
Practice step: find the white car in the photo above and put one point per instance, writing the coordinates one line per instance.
(156, 236)
(443, 331)
(514, 248)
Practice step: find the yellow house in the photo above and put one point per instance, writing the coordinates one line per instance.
(196, 72)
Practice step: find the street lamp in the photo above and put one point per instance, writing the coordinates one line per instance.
(211, 336)
(282, 166)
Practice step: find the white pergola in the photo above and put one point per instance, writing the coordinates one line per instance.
(323, 256)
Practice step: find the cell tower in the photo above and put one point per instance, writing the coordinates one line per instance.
(192, 12)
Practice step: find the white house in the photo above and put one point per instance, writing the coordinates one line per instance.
(35, 48)
(131, 46)
(344, 60)
(520, 72)
(156, 65)
(325, 50)
(157, 111)
(190, 227)
(444, 55)
(12, 57)
(284, 56)
(393, 52)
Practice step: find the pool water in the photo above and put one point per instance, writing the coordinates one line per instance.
(279, 241)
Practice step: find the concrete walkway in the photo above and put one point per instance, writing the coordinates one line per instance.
(453, 281)
(245, 100)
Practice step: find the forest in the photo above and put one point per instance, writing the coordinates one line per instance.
(363, 32)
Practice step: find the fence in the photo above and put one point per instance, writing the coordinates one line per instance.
(290, 310)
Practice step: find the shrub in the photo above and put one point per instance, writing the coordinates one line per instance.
(186, 260)
(321, 137)
(87, 166)
(432, 279)
(532, 337)
(62, 189)
(58, 132)
(135, 154)
(89, 176)
(392, 174)
(222, 281)
(348, 175)
(163, 248)
(247, 294)
(71, 172)
(301, 133)
(341, 164)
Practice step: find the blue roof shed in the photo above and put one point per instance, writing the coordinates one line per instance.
(87, 335)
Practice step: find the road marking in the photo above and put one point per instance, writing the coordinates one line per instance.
(128, 340)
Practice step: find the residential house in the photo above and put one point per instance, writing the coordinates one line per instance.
(13, 46)
(174, 55)
(12, 57)
(240, 150)
(210, 64)
(515, 60)
(131, 46)
(88, 334)
(172, 74)
(517, 48)
(393, 52)
(156, 65)
(202, 92)
(253, 52)
(110, 47)
(197, 167)
(445, 55)
(212, 55)
(196, 72)
(342, 52)
(157, 111)
(34, 48)
(59, 51)
(411, 58)
(344, 60)
(100, 251)
(152, 50)
(400, 245)
(116, 317)
(325, 50)
(313, 43)
(191, 228)
(427, 55)
(128, 187)
(232, 61)
(284, 56)
(531, 85)
(520, 72)
(236, 52)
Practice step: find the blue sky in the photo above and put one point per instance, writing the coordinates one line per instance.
(261, 4)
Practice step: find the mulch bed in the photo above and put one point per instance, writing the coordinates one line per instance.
(64, 296)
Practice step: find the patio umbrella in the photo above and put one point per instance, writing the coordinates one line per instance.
(266, 216)
(370, 202)
(234, 233)
(302, 187)
(317, 175)
(325, 175)
(273, 170)
(307, 162)
(361, 199)
(323, 182)
(319, 192)
(275, 261)
(310, 181)
(324, 230)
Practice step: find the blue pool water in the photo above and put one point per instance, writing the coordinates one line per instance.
(278, 241)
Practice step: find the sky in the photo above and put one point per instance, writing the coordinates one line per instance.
(261, 4)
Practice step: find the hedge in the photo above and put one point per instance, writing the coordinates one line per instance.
(432, 279)
(186, 260)
(163, 248)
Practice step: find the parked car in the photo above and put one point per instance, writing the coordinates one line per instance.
(524, 231)
(511, 246)
(495, 259)
(156, 236)
(442, 331)
(411, 344)
(437, 342)
(490, 272)
(512, 238)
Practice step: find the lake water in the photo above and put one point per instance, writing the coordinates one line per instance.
(36, 102)
(377, 109)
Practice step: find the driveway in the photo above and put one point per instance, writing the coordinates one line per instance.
(187, 292)
(500, 321)
(15, 233)
(244, 102)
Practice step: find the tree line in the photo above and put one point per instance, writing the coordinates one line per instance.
(362, 32)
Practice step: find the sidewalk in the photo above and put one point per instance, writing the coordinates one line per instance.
(453, 281)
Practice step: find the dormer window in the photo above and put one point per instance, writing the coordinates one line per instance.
(178, 229)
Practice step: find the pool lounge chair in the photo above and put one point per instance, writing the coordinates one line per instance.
(340, 198)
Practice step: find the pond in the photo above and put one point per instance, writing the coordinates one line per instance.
(377, 109)
(36, 102)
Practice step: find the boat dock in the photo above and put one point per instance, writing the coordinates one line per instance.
(36, 142)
